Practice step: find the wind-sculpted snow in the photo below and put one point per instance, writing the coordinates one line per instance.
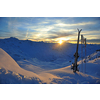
(10, 77)
(9, 68)
(24, 61)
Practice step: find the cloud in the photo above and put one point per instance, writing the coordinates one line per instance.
(77, 24)
(58, 34)
(93, 41)
(44, 22)
(91, 32)
(44, 28)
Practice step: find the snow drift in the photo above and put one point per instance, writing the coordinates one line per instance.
(8, 65)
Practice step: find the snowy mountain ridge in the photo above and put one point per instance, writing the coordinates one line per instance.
(22, 49)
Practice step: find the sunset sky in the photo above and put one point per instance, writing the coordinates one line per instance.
(50, 29)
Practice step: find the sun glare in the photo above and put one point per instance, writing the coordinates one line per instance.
(60, 42)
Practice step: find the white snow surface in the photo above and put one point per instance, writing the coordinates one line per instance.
(27, 62)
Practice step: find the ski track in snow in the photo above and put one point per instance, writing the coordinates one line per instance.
(27, 62)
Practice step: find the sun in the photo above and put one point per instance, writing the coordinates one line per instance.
(60, 42)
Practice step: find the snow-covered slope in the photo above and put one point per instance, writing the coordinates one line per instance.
(24, 61)
(92, 64)
(9, 67)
